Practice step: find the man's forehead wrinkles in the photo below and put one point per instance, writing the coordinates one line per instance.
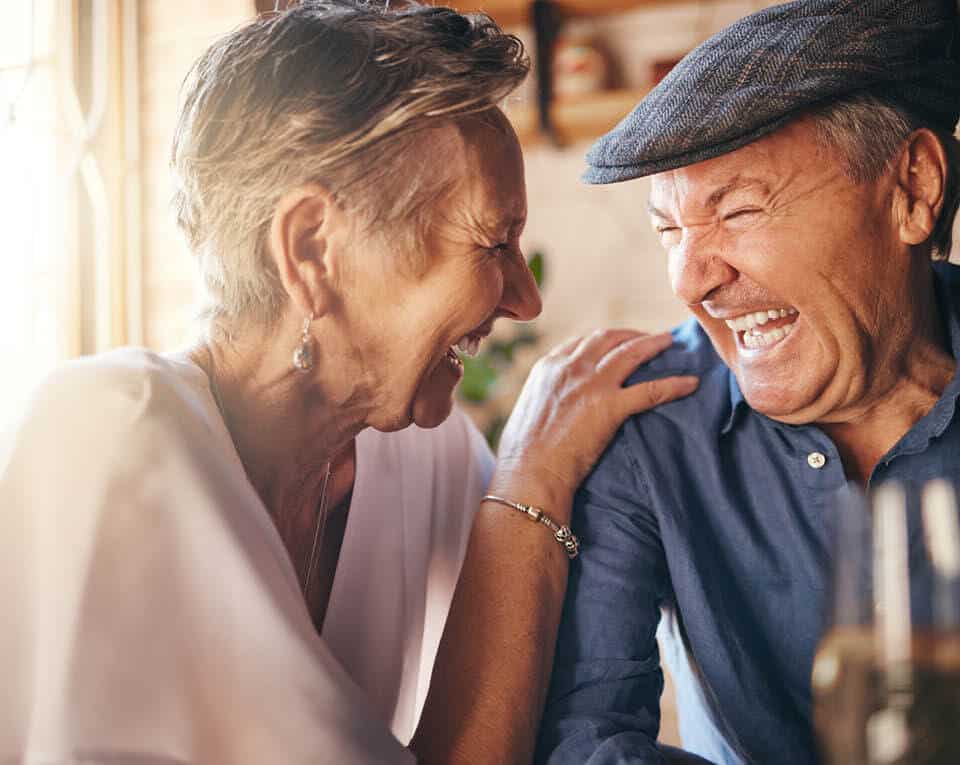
(655, 211)
(663, 194)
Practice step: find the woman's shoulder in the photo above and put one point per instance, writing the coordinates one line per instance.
(135, 377)
(96, 401)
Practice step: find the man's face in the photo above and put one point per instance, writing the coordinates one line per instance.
(796, 272)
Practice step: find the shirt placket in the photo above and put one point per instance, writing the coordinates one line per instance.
(820, 465)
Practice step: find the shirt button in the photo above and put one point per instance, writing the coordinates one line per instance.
(816, 460)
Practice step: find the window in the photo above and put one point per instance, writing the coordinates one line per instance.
(67, 205)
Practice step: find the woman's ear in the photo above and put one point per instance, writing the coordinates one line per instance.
(921, 177)
(299, 243)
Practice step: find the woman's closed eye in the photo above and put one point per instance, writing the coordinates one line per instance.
(502, 249)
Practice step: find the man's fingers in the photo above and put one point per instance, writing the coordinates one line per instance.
(646, 395)
(622, 359)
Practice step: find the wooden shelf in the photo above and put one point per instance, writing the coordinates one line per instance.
(587, 116)
(574, 119)
(516, 12)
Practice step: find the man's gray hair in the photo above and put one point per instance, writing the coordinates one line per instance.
(337, 92)
(868, 132)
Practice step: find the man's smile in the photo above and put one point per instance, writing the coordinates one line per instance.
(761, 329)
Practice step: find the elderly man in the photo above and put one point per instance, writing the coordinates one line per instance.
(805, 175)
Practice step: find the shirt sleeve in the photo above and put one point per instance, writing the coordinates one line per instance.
(155, 615)
(603, 706)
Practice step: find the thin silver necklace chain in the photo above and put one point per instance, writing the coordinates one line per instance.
(319, 528)
(321, 523)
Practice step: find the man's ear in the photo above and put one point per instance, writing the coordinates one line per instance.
(921, 177)
(299, 244)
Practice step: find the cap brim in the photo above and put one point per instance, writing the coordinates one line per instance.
(600, 174)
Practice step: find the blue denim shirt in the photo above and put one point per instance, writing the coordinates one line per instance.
(715, 516)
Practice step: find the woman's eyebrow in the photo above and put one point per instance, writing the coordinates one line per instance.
(496, 227)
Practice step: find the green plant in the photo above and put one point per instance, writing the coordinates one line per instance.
(482, 372)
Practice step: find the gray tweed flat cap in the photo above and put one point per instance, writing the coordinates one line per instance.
(759, 73)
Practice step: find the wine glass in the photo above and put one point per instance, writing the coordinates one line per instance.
(886, 678)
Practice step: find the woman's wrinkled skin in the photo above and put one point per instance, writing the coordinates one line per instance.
(384, 322)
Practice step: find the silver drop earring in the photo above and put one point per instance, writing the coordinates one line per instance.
(303, 354)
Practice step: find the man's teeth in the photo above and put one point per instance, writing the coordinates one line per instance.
(751, 320)
(469, 344)
(755, 338)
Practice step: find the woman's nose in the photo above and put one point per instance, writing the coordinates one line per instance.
(521, 296)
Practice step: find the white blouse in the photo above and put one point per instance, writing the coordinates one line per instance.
(151, 613)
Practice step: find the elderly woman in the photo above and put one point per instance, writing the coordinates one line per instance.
(224, 555)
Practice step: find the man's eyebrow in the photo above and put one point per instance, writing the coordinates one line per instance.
(736, 184)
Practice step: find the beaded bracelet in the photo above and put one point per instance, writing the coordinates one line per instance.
(565, 538)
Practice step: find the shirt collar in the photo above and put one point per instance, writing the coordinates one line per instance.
(942, 412)
(949, 307)
(935, 422)
(737, 402)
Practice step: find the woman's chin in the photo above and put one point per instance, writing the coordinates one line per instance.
(433, 401)
(430, 407)
(430, 411)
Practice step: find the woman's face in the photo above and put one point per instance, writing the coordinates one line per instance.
(474, 272)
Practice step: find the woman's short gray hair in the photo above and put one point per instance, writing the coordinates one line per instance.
(336, 92)
(868, 132)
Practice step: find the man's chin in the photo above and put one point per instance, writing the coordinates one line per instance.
(783, 403)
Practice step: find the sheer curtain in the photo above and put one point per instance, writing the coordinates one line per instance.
(68, 196)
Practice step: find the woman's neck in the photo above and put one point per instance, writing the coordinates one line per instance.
(284, 426)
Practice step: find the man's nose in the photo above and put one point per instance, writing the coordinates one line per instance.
(698, 267)
(521, 296)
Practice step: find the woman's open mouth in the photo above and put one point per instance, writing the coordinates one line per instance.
(468, 345)
(453, 359)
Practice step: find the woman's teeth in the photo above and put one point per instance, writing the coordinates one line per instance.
(452, 358)
(469, 345)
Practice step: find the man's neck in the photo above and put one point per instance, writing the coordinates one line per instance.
(921, 378)
(862, 443)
